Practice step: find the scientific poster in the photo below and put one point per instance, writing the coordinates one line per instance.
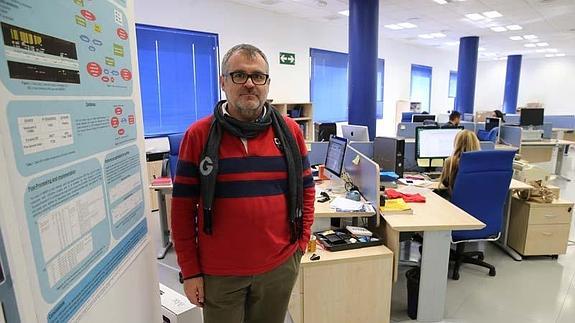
(71, 134)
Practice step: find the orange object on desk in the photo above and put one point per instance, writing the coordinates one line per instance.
(321, 172)
(160, 181)
(408, 198)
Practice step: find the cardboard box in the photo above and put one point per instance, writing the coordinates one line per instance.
(176, 308)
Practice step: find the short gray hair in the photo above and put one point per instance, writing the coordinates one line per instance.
(247, 50)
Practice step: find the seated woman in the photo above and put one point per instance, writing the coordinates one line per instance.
(464, 141)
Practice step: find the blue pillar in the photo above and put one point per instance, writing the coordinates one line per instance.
(363, 36)
(512, 83)
(466, 73)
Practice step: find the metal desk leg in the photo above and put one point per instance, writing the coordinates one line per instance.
(433, 280)
(503, 240)
(166, 243)
(559, 163)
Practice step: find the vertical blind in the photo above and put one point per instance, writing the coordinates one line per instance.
(421, 85)
(329, 85)
(178, 77)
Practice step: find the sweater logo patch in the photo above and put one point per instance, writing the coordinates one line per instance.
(206, 166)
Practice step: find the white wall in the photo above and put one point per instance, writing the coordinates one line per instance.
(546, 80)
(235, 23)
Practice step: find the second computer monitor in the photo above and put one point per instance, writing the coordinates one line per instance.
(355, 133)
(434, 143)
(491, 123)
(531, 117)
(422, 117)
(335, 155)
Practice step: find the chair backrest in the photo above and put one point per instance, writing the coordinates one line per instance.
(175, 140)
(406, 116)
(481, 188)
(490, 135)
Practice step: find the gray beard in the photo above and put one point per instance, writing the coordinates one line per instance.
(250, 114)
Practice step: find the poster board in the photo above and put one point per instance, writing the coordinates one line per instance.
(72, 159)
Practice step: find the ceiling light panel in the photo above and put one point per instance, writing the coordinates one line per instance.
(516, 38)
(407, 25)
(498, 29)
(393, 27)
(344, 13)
(492, 14)
(440, 1)
(542, 44)
(474, 16)
(530, 45)
(530, 37)
(514, 27)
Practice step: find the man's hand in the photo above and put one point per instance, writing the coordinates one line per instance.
(194, 289)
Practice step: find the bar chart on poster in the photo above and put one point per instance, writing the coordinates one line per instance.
(72, 157)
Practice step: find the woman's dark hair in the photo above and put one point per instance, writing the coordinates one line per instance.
(499, 115)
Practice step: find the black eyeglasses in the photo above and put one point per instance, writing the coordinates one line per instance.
(242, 78)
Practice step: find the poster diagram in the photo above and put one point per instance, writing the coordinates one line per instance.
(86, 51)
(72, 160)
(46, 134)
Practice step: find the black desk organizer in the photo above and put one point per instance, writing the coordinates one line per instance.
(341, 240)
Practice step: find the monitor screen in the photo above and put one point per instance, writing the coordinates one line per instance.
(531, 117)
(422, 117)
(491, 123)
(335, 155)
(355, 133)
(435, 142)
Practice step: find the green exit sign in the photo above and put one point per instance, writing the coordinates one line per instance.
(287, 58)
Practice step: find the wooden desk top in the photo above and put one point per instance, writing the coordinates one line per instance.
(505, 147)
(436, 214)
(346, 255)
(514, 185)
(549, 142)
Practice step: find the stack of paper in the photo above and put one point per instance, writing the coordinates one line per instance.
(395, 206)
(344, 205)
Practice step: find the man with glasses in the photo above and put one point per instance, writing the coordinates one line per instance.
(243, 200)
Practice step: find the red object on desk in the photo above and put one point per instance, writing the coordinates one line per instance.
(161, 181)
(408, 198)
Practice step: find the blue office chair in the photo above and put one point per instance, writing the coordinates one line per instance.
(490, 135)
(170, 162)
(480, 189)
(406, 116)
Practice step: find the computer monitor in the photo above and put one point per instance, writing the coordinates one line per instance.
(434, 143)
(531, 117)
(355, 133)
(491, 123)
(422, 117)
(335, 155)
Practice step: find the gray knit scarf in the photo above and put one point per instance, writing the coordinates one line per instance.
(287, 144)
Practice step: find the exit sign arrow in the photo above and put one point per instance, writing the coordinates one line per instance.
(287, 58)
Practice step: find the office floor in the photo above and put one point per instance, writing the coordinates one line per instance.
(537, 289)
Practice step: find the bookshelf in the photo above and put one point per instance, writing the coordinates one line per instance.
(302, 113)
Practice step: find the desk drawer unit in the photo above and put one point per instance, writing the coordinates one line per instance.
(537, 229)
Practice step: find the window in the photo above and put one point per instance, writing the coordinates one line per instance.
(421, 85)
(178, 77)
(329, 85)
(452, 84)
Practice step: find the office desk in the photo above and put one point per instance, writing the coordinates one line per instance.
(343, 286)
(162, 191)
(436, 217)
(526, 146)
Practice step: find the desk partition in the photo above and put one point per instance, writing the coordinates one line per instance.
(364, 173)
(561, 121)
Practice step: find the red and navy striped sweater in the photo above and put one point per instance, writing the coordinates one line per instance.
(251, 233)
